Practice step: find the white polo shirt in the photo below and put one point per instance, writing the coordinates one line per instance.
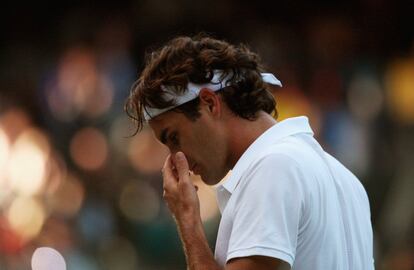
(286, 198)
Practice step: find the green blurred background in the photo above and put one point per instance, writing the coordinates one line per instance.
(72, 178)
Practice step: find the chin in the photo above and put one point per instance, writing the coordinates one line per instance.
(209, 180)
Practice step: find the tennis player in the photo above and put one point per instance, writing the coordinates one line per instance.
(287, 203)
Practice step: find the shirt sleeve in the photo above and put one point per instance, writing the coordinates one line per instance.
(267, 216)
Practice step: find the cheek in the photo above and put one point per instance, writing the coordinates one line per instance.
(211, 155)
(203, 148)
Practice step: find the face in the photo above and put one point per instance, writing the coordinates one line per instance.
(202, 141)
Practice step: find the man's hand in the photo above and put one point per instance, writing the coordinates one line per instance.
(182, 200)
(179, 192)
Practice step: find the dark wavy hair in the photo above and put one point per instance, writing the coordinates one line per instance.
(193, 59)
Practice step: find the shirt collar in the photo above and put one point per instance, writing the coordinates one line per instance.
(280, 130)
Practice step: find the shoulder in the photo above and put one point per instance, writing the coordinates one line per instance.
(290, 154)
(290, 149)
(277, 159)
(273, 172)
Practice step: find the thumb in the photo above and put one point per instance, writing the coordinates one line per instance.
(181, 165)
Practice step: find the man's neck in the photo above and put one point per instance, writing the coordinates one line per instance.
(244, 132)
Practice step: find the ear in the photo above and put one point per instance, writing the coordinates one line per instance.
(211, 101)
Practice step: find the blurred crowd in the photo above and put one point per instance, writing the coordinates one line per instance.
(74, 177)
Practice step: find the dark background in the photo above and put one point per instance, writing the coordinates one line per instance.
(66, 69)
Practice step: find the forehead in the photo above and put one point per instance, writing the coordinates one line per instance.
(170, 119)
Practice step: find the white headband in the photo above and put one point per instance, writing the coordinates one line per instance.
(193, 90)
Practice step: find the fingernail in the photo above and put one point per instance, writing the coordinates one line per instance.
(179, 155)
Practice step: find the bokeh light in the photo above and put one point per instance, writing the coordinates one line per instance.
(96, 221)
(89, 148)
(120, 134)
(400, 90)
(145, 153)
(68, 197)
(57, 233)
(365, 97)
(292, 102)
(27, 168)
(4, 157)
(139, 201)
(80, 88)
(118, 253)
(26, 217)
(57, 173)
(81, 260)
(13, 122)
(10, 241)
(46, 258)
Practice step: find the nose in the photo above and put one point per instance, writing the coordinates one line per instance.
(173, 150)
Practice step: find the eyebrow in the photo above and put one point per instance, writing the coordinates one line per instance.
(163, 136)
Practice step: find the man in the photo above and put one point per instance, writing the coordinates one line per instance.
(286, 202)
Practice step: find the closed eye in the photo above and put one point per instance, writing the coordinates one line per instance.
(173, 138)
(163, 136)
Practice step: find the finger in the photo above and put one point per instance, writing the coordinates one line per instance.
(168, 174)
(171, 165)
(181, 165)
